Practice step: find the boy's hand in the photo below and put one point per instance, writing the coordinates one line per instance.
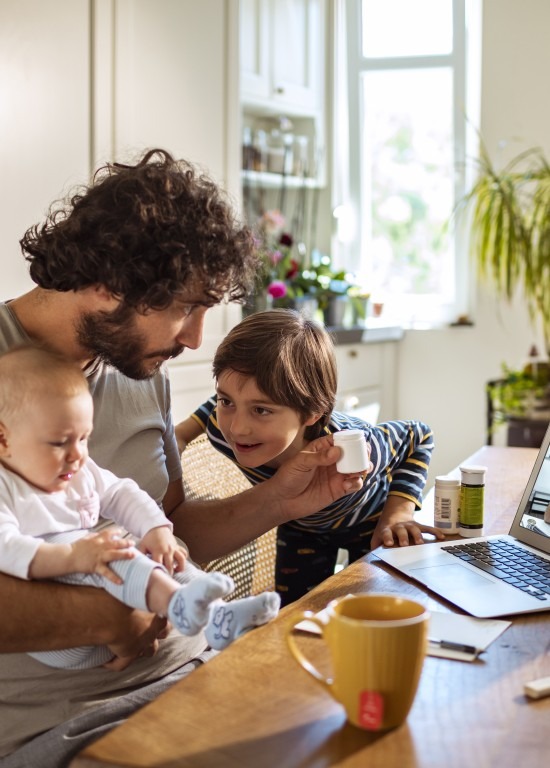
(93, 553)
(163, 547)
(396, 525)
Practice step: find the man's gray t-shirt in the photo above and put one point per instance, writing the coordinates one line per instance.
(133, 437)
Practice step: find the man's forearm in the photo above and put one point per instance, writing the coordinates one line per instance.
(45, 616)
(212, 529)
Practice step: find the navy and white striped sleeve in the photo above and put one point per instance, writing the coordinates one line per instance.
(402, 450)
(203, 412)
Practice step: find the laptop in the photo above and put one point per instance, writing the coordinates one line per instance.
(491, 576)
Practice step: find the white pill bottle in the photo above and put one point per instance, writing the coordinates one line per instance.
(355, 453)
(446, 503)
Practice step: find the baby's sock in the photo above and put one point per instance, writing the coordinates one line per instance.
(231, 620)
(189, 606)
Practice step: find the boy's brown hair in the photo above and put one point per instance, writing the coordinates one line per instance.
(290, 357)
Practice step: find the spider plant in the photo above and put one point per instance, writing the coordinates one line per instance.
(510, 230)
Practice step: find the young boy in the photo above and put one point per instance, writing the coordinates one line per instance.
(51, 497)
(276, 387)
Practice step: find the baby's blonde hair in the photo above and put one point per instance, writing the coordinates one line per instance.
(28, 371)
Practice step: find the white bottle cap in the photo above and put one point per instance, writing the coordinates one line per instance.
(447, 481)
(473, 475)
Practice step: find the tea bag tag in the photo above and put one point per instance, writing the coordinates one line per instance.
(371, 710)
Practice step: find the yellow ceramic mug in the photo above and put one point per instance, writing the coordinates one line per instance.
(377, 645)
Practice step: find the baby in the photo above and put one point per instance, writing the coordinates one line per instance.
(52, 495)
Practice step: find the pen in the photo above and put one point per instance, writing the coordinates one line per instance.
(452, 646)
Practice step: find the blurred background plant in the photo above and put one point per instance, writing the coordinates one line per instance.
(521, 394)
(289, 280)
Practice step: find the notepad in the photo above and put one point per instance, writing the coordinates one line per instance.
(453, 627)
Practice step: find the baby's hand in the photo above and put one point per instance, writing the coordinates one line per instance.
(163, 548)
(93, 553)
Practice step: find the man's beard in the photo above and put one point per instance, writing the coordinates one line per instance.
(114, 339)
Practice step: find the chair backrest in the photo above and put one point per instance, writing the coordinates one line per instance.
(207, 474)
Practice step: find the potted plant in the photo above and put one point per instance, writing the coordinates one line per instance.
(510, 242)
(510, 230)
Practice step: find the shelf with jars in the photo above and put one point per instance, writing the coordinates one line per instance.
(281, 151)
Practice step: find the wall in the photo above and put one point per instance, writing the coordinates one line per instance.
(84, 81)
(44, 118)
(442, 373)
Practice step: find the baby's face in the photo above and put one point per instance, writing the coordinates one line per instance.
(257, 430)
(48, 440)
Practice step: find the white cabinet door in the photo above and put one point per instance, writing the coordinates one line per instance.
(367, 376)
(282, 55)
(170, 75)
(254, 49)
(298, 53)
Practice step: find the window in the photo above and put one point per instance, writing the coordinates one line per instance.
(404, 82)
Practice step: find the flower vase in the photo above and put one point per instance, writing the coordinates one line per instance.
(335, 311)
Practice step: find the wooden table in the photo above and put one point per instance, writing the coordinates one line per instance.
(252, 706)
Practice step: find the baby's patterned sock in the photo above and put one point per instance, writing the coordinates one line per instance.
(231, 620)
(189, 607)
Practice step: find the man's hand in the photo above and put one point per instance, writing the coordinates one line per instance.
(309, 481)
(396, 525)
(137, 635)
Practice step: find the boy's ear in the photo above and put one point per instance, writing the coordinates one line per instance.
(4, 441)
(312, 419)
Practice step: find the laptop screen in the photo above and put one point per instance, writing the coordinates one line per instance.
(532, 521)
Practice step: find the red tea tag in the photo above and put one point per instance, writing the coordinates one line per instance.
(371, 710)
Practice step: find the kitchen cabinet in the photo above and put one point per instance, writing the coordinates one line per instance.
(282, 52)
(282, 55)
(367, 375)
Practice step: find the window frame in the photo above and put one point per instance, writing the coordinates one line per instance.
(465, 62)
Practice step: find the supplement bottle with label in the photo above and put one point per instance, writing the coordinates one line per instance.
(446, 503)
(472, 500)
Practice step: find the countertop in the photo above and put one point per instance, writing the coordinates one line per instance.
(375, 330)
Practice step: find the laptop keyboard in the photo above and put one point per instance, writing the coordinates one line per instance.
(505, 561)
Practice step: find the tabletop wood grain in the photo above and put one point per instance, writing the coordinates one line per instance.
(252, 706)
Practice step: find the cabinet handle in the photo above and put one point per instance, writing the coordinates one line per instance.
(352, 353)
(279, 90)
(351, 402)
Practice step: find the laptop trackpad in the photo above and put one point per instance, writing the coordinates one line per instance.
(450, 577)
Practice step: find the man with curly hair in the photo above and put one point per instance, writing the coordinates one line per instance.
(125, 271)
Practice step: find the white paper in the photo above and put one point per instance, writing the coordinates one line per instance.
(453, 627)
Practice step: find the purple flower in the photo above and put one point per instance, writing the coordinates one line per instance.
(277, 289)
(276, 257)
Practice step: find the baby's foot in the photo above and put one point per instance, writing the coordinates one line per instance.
(189, 606)
(231, 620)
